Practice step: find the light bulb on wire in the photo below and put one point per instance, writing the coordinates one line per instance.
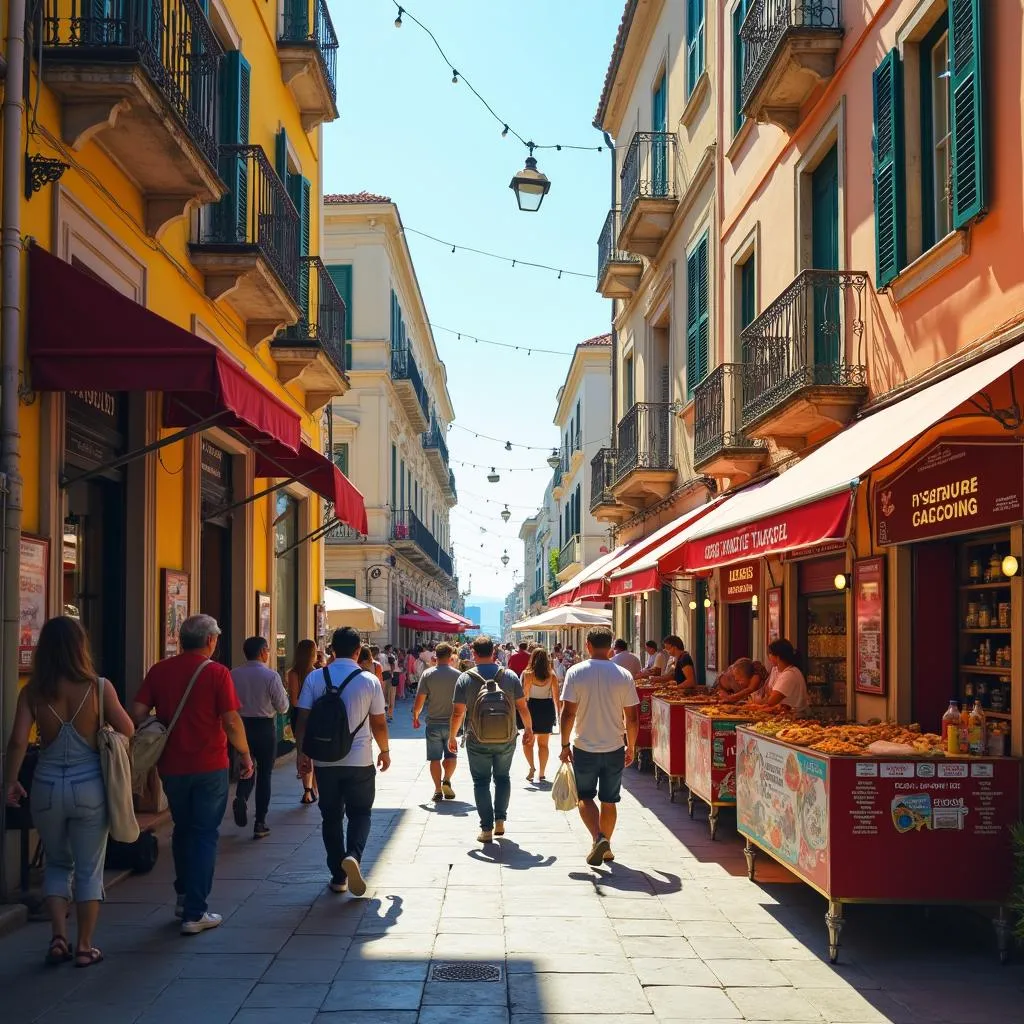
(455, 77)
(398, 20)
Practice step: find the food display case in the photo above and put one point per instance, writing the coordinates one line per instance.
(668, 742)
(710, 752)
(644, 742)
(862, 828)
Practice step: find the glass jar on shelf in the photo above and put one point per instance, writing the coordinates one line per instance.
(974, 570)
(984, 614)
(1003, 612)
(995, 565)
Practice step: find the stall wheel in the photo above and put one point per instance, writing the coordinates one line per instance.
(834, 923)
(750, 852)
(689, 803)
(713, 823)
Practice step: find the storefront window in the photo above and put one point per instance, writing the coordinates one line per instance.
(286, 578)
(823, 629)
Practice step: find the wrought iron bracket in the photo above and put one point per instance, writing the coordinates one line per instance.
(41, 171)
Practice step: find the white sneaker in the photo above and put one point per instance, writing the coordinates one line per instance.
(486, 836)
(204, 924)
(356, 882)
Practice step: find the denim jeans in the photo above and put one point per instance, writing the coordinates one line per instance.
(69, 810)
(197, 805)
(486, 761)
(261, 734)
(345, 792)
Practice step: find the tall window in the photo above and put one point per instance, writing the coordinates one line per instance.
(341, 456)
(628, 391)
(694, 43)
(394, 475)
(697, 315)
(748, 291)
(936, 135)
(738, 15)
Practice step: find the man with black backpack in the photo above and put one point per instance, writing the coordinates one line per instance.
(339, 707)
(490, 694)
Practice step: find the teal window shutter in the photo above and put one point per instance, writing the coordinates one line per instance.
(341, 275)
(738, 16)
(281, 154)
(890, 189)
(968, 112)
(230, 216)
(694, 43)
(299, 193)
(697, 316)
(748, 291)
(341, 456)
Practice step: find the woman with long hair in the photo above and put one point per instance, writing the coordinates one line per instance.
(69, 800)
(303, 663)
(540, 687)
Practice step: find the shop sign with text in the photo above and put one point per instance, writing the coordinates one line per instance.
(953, 487)
(741, 582)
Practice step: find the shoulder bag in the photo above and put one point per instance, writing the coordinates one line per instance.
(151, 737)
(117, 777)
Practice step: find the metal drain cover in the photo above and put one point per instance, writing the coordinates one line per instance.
(468, 971)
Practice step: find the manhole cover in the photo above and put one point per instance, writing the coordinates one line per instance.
(466, 972)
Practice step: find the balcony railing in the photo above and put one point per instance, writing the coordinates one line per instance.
(406, 526)
(812, 335)
(717, 413)
(602, 476)
(606, 245)
(570, 553)
(451, 485)
(171, 39)
(403, 367)
(343, 534)
(257, 213)
(648, 172)
(766, 26)
(645, 439)
(323, 323)
(538, 596)
(302, 25)
(434, 438)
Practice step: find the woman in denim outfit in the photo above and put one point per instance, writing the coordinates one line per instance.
(68, 801)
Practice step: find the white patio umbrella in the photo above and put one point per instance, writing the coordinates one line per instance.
(566, 615)
(345, 610)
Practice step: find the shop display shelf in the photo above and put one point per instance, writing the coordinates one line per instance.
(987, 670)
(985, 586)
(992, 629)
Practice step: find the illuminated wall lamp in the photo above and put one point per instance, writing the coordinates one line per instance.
(753, 606)
(1010, 565)
(842, 581)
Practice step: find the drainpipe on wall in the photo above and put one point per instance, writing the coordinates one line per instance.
(10, 346)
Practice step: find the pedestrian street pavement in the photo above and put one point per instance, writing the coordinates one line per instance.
(672, 931)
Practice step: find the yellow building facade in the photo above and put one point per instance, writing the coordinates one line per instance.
(180, 337)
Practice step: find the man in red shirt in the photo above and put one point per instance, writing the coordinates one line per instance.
(194, 763)
(520, 660)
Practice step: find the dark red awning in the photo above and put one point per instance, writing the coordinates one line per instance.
(458, 620)
(426, 623)
(319, 474)
(84, 335)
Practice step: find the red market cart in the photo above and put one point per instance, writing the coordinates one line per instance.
(668, 743)
(881, 829)
(710, 752)
(644, 742)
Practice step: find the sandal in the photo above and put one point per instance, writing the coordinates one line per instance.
(59, 951)
(308, 797)
(530, 774)
(88, 957)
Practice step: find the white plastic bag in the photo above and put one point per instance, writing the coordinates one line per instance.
(563, 789)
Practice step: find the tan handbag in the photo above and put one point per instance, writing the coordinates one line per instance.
(117, 778)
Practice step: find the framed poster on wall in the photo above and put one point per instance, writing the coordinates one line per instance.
(320, 618)
(263, 615)
(774, 617)
(710, 638)
(174, 587)
(869, 623)
(32, 590)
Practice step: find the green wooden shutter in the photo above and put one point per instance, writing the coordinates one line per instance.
(299, 191)
(230, 215)
(967, 113)
(748, 291)
(890, 192)
(738, 16)
(704, 321)
(694, 43)
(697, 316)
(341, 456)
(341, 275)
(692, 317)
(281, 154)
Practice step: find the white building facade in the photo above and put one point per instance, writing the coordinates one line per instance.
(389, 432)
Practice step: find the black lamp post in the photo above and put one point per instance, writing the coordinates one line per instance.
(530, 185)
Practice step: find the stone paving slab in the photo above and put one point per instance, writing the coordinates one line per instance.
(671, 931)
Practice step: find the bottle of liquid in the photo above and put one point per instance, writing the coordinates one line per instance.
(951, 728)
(964, 736)
(976, 730)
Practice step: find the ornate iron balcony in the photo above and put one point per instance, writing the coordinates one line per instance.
(602, 476)
(645, 439)
(434, 438)
(538, 596)
(606, 245)
(302, 25)
(648, 172)
(406, 526)
(171, 39)
(403, 367)
(717, 414)
(766, 27)
(812, 335)
(324, 321)
(570, 553)
(257, 213)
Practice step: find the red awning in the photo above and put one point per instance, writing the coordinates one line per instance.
(84, 335)
(826, 519)
(459, 620)
(319, 474)
(427, 620)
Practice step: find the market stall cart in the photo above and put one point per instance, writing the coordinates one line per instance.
(644, 743)
(710, 758)
(881, 829)
(668, 742)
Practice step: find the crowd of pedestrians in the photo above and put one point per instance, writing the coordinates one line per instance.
(485, 696)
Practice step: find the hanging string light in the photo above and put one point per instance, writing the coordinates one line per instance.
(529, 350)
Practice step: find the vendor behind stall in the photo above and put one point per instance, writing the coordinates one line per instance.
(786, 685)
(681, 672)
(744, 679)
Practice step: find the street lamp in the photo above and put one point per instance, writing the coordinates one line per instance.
(493, 477)
(504, 558)
(529, 185)
(554, 459)
(505, 514)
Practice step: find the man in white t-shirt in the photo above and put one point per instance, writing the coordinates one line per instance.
(599, 699)
(626, 658)
(347, 787)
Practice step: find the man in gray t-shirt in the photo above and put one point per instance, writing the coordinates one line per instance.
(488, 759)
(435, 692)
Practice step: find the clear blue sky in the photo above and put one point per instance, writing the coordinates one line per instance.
(407, 132)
